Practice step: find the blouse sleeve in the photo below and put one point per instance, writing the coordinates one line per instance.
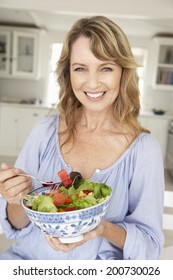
(143, 222)
(29, 160)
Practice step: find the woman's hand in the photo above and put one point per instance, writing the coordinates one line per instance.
(13, 187)
(97, 232)
(111, 232)
(56, 244)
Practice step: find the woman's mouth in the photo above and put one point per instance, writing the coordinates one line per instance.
(95, 95)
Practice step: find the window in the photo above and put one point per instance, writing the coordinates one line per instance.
(140, 55)
(53, 87)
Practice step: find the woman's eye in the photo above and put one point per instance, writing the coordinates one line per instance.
(107, 69)
(79, 69)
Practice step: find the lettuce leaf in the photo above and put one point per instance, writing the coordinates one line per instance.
(43, 203)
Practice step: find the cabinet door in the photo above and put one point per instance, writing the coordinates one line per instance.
(163, 74)
(4, 53)
(28, 118)
(25, 54)
(159, 129)
(9, 130)
(143, 121)
(15, 126)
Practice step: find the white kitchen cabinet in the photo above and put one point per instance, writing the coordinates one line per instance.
(15, 125)
(4, 52)
(162, 63)
(19, 53)
(158, 126)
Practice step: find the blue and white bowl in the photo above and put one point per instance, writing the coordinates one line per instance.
(69, 226)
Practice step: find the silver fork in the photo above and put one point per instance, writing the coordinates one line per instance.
(52, 185)
(33, 177)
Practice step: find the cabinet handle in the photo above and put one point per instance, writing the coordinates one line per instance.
(4, 58)
(13, 58)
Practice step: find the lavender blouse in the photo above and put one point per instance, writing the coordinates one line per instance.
(137, 181)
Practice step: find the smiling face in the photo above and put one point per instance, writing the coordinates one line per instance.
(95, 83)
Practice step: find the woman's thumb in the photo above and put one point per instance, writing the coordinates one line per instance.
(5, 166)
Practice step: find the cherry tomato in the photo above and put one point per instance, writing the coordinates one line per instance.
(58, 198)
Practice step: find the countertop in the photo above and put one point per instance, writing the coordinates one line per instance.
(167, 115)
(26, 105)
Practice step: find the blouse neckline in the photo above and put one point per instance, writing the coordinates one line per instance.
(97, 170)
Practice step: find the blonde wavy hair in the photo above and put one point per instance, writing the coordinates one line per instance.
(108, 42)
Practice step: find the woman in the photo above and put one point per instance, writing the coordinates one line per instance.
(95, 132)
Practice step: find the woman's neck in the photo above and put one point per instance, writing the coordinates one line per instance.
(97, 121)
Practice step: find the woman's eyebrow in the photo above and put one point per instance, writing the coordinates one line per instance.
(102, 64)
(78, 63)
(108, 63)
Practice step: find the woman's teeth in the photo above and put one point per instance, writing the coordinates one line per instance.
(94, 95)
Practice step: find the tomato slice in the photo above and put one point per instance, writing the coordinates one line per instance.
(68, 200)
(70, 208)
(60, 210)
(87, 191)
(65, 178)
(58, 198)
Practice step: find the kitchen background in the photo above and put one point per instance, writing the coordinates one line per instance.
(31, 36)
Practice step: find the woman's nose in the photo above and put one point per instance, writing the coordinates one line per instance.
(93, 81)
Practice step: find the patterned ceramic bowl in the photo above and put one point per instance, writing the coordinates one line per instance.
(69, 227)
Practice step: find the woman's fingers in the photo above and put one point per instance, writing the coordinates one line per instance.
(58, 246)
(13, 187)
(7, 173)
(15, 194)
(5, 166)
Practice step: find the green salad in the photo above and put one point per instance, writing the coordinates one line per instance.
(79, 195)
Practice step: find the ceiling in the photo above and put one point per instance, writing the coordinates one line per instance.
(136, 17)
